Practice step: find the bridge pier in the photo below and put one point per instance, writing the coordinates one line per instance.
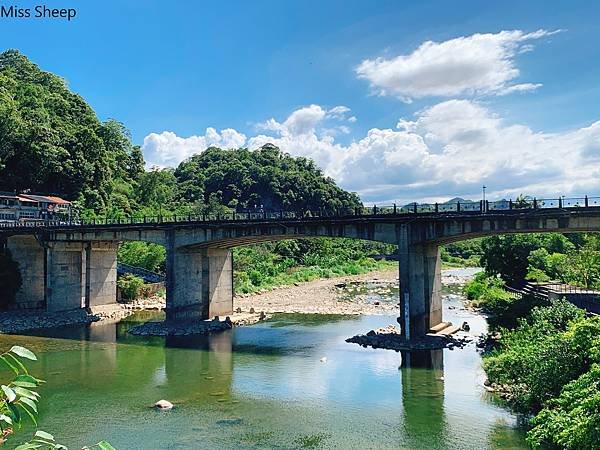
(199, 283)
(101, 273)
(217, 274)
(184, 285)
(30, 255)
(62, 276)
(420, 286)
(65, 276)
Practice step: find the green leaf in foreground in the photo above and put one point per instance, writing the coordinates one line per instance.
(29, 403)
(28, 446)
(9, 364)
(10, 394)
(44, 435)
(23, 352)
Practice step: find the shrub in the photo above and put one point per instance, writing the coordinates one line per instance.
(571, 421)
(504, 308)
(143, 254)
(553, 346)
(131, 286)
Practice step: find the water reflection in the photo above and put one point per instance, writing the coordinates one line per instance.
(264, 386)
(423, 398)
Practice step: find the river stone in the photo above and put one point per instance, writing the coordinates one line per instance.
(164, 405)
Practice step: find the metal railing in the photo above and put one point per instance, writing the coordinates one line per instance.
(146, 275)
(466, 207)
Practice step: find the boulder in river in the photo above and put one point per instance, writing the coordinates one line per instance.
(163, 405)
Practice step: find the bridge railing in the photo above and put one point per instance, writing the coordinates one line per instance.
(464, 207)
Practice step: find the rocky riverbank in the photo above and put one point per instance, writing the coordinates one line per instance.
(348, 295)
(12, 322)
(373, 293)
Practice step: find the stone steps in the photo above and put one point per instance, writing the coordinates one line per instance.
(448, 330)
(443, 329)
(439, 327)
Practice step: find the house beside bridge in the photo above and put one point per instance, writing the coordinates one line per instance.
(24, 207)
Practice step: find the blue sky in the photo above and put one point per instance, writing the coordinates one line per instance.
(473, 102)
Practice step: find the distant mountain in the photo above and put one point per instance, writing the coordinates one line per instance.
(458, 200)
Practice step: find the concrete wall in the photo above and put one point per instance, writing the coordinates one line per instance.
(101, 273)
(420, 285)
(184, 285)
(218, 277)
(28, 252)
(199, 282)
(65, 276)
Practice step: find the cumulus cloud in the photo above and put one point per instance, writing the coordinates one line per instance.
(449, 149)
(454, 147)
(480, 64)
(168, 149)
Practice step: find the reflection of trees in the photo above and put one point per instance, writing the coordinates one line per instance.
(423, 398)
(503, 435)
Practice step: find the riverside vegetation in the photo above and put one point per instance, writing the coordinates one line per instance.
(545, 360)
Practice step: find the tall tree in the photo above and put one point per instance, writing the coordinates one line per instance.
(52, 141)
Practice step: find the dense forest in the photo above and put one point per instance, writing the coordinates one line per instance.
(52, 141)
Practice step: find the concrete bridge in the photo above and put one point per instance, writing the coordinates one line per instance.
(68, 265)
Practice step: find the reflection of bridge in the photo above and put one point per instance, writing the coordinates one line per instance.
(78, 259)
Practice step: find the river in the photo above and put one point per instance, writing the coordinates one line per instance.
(266, 386)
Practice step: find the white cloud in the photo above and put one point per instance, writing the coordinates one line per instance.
(303, 120)
(480, 64)
(168, 149)
(338, 112)
(449, 149)
(454, 147)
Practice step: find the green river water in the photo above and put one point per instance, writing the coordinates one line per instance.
(265, 386)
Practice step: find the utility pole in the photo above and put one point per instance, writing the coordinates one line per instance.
(483, 188)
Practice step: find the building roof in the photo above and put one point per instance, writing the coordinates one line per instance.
(45, 199)
(25, 199)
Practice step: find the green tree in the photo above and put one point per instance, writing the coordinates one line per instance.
(142, 254)
(52, 141)
(508, 255)
(265, 177)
